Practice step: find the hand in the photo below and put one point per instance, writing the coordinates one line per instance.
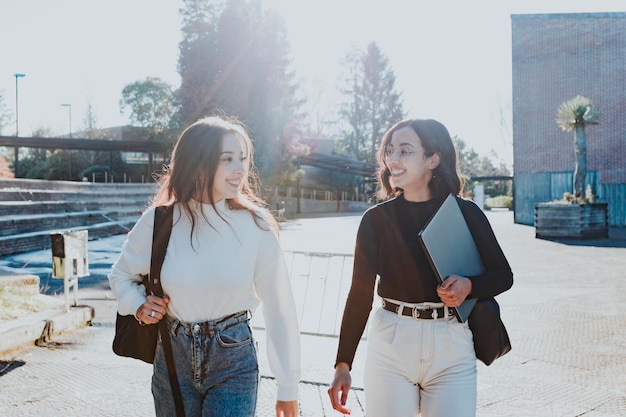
(287, 408)
(341, 385)
(454, 290)
(153, 310)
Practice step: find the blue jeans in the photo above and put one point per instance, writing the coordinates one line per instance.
(216, 365)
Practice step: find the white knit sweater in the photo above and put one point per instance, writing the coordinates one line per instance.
(230, 265)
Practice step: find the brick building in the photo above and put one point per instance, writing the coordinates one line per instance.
(555, 58)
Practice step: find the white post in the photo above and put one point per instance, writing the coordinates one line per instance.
(479, 195)
(66, 291)
(69, 261)
(75, 278)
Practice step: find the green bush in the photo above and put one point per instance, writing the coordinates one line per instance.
(500, 201)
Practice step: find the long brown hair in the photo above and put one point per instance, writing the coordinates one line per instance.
(197, 151)
(435, 140)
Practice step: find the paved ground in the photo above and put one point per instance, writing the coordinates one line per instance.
(565, 315)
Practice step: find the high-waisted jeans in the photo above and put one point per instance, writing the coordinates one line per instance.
(216, 366)
(415, 366)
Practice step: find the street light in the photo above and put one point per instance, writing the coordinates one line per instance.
(17, 124)
(69, 106)
(17, 107)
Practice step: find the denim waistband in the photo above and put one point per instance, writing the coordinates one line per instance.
(210, 327)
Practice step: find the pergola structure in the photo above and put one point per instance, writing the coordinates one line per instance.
(332, 163)
(340, 164)
(149, 147)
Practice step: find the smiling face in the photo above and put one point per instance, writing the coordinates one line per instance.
(232, 168)
(411, 170)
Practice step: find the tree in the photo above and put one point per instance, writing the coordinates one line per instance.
(234, 58)
(90, 129)
(372, 103)
(5, 170)
(196, 63)
(72, 164)
(4, 112)
(153, 105)
(576, 114)
(32, 161)
(472, 164)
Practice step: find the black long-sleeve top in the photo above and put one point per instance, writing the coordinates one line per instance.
(387, 247)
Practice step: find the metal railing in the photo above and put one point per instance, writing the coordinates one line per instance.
(320, 283)
(317, 194)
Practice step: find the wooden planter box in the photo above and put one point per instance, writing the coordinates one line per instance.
(574, 221)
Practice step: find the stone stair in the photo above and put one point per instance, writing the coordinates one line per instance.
(30, 210)
(33, 317)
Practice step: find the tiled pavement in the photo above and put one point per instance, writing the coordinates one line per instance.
(566, 315)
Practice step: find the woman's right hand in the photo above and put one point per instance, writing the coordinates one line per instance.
(153, 310)
(340, 388)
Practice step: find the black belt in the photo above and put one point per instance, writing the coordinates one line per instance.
(418, 313)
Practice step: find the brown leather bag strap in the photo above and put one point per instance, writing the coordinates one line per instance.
(163, 221)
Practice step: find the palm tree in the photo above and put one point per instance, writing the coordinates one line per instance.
(576, 114)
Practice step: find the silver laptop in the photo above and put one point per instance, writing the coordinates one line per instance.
(451, 249)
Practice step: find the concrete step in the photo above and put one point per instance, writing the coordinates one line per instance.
(31, 210)
(16, 208)
(64, 195)
(40, 327)
(73, 186)
(25, 283)
(40, 240)
(25, 224)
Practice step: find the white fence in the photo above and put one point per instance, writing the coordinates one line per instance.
(320, 283)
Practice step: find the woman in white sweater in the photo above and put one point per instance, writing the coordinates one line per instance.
(222, 260)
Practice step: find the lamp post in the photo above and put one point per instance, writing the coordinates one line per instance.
(17, 123)
(69, 106)
(17, 107)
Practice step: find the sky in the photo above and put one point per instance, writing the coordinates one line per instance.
(451, 58)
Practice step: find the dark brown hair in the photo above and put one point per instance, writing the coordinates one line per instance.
(435, 140)
(193, 165)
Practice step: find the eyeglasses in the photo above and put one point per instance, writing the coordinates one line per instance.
(404, 153)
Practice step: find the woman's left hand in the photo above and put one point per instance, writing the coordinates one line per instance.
(454, 290)
(153, 310)
(287, 408)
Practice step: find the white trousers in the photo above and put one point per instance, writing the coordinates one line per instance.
(419, 367)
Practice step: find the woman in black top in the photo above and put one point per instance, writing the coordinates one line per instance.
(420, 360)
